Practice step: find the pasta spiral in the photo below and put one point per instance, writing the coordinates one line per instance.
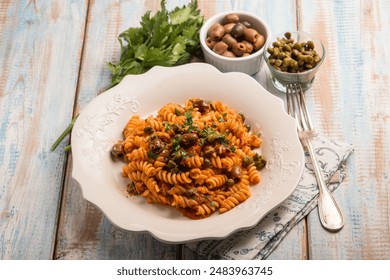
(198, 158)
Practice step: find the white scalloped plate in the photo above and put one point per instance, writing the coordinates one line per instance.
(101, 122)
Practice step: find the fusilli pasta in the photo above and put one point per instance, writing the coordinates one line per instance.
(198, 158)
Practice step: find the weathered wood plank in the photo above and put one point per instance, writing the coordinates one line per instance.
(350, 101)
(39, 61)
(84, 232)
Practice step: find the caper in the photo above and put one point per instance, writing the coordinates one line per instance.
(229, 182)
(282, 55)
(310, 45)
(298, 47)
(309, 66)
(289, 56)
(238, 30)
(277, 44)
(171, 164)
(177, 156)
(260, 163)
(211, 138)
(286, 62)
(206, 162)
(278, 62)
(287, 48)
(247, 160)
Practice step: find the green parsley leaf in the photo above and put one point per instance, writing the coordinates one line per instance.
(167, 39)
(152, 155)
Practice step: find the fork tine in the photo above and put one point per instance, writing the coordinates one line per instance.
(288, 98)
(294, 106)
(301, 112)
(305, 111)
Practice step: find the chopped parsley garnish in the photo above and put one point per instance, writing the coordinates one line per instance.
(177, 112)
(152, 155)
(167, 126)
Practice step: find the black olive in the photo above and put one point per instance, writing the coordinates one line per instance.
(176, 128)
(208, 150)
(148, 130)
(206, 162)
(117, 149)
(236, 173)
(238, 30)
(156, 145)
(247, 24)
(171, 164)
(165, 153)
(202, 105)
(222, 150)
(188, 139)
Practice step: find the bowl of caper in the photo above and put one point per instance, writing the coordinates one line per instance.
(294, 57)
(234, 41)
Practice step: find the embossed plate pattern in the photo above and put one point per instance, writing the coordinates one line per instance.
(101, 122)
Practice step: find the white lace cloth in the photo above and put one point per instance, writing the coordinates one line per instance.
(260, 241)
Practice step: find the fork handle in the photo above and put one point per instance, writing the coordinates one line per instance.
(330, 214)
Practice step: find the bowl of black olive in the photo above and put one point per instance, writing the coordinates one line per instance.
(234, 41)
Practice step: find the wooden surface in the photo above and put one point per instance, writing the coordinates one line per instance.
(53, 57)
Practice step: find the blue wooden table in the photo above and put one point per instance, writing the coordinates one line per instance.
(53, 57)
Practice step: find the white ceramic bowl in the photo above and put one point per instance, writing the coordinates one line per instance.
(249, 64)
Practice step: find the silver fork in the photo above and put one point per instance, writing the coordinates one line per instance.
(330, 214)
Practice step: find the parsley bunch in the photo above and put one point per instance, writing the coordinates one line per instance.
(166, 39)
